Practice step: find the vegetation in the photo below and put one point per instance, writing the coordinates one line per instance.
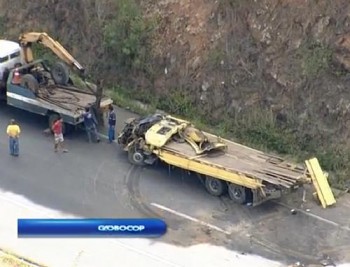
(126, 37)
(316, 58)
(2, 24)
(257, 128)
(126, 44)
(41, 52)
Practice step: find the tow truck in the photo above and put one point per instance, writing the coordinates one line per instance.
(247, 175)
(45, 90)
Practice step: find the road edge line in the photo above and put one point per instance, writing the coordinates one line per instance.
(315, 216)
(145, 253)
(22, 259)
(190, 218)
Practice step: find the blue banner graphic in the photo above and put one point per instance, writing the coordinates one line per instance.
(91, 227)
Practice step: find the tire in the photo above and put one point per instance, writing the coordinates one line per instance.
(30, 82)
(60, 73)
(136, 157)
(215, 187)
(5, 75)
(237, 193)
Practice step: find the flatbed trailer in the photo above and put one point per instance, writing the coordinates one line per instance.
(239, 159)
(248, 175)
(43, 96)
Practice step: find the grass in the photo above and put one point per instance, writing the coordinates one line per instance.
(316, 58)
(258, 129)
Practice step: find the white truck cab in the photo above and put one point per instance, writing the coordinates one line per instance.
(10, 55)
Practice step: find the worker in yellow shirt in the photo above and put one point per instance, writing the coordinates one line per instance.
(13, 132)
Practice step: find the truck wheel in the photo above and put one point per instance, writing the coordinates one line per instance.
(215, 187)
(136, 157)
(237, 193)
(60, 73)
(30, 82)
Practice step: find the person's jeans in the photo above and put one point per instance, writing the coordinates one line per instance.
(111, 133)
(92, 134)
(14, 146)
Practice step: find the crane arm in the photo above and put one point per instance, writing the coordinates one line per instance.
(43, 38)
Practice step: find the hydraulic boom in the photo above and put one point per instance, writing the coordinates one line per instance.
(43, 38)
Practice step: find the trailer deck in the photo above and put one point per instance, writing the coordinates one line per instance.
(68, 98)
(247, 161)
(222, 165)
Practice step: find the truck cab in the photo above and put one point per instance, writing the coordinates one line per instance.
(10, 57)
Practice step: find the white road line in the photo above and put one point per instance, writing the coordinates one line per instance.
(26, 206)
(315, 216)
(152, 256)
(17, 258)
(190, 218)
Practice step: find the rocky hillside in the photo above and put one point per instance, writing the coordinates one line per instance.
(271, 72)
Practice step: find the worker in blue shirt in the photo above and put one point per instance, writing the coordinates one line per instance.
(112, 118)
(90, 123)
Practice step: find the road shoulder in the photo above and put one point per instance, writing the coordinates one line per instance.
(8, 259)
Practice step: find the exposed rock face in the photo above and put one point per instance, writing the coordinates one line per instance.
(342, 52)
(289, 56)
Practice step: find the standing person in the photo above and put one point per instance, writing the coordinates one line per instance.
(112, 118)
(90, 125)
(58, 134)
(13, 131)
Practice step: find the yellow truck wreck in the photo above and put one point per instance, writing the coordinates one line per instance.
(246, 174)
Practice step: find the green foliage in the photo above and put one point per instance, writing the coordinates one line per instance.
(234, 3)
(126, 36)
(77, 81)
(123, 98)
(41, 52)
(177, 102)
(339, 71)
(316, 58)
(215, 57)
(256, 128)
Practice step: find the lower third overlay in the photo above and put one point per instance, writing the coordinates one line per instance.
(91, 228)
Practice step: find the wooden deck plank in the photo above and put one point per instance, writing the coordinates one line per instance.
(248, 161)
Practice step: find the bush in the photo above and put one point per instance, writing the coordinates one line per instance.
(257, 128)
(126, 37)
(316, 58)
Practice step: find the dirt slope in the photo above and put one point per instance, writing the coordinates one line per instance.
(280, 53)
(224, 57)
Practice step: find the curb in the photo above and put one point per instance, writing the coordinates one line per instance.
(21, 259)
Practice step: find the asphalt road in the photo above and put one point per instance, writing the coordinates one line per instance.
(96, 180)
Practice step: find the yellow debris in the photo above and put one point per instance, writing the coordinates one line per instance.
(320, 182)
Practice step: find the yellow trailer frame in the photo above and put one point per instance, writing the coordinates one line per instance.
(206, 168)
(238, 165)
